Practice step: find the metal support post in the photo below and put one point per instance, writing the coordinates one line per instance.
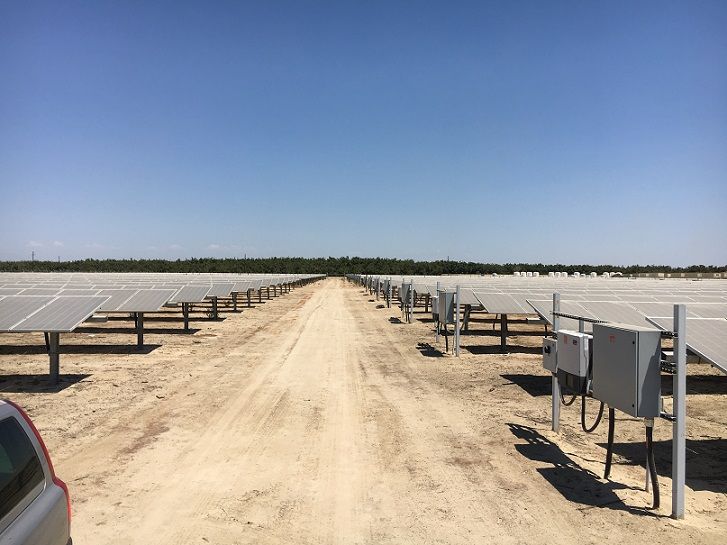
(436, 329)
(649, 423)
(503, 333)
(555, 401)
(234, 302)
(678, 453)
(412, 297)
(214, 308)
(185, 314)
(53, 354)
(140, 329)
(456, 324)
(249, 303)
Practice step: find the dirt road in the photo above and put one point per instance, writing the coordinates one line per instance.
(316, 418)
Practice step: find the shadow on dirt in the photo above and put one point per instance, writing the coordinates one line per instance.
(572, 481)
(19, 384)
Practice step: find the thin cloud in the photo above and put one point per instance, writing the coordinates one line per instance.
(35, 244)
(57, 244)
(225, 247)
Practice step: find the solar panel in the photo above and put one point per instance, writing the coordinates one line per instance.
(615, 312)
(191, 294)
(467, 297)
(705, 337)
(116, 298)
(40, 291)
(220, 290)
(545, 310)
(708, 310)
(146, 301)
(78, 291)
(10, 291)
(168, 286)
(62, 314)
(707, 298)
(16, 308)
(699, 298)
(500, 303)
(242, 287)
(423, 288)
(654, 309)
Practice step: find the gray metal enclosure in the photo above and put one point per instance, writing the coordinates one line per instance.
(445, 307)
(627, 368)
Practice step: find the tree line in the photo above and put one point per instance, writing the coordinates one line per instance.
(332, 266)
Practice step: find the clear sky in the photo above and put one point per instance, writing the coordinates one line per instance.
(495, 131)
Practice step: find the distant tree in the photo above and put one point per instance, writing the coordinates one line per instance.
(333, 266)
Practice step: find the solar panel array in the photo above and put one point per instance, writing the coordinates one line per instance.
(634, 301)
(59, 302)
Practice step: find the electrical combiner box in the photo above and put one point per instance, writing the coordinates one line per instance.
(550, 354)
(404, 294)
(573, 358)
(435, 308)
(445, 304)
(627, 368)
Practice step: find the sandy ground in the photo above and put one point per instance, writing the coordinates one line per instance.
(317, 418)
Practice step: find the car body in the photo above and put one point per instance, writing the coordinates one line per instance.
(35, 507)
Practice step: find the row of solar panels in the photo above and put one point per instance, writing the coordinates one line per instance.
(633, 302)
(62, 310)
(179, 294)
(576, 285)
(25, 288)
(107, 280)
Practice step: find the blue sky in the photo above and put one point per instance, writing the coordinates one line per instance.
(495, 131)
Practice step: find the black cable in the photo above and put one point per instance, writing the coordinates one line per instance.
(609, 450)
(567, 403)
(652, 465)
(446, 338)
(583, 416)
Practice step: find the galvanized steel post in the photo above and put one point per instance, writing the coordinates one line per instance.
(436, 328)
(555, 401)
(678, 453)
(456, 324)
